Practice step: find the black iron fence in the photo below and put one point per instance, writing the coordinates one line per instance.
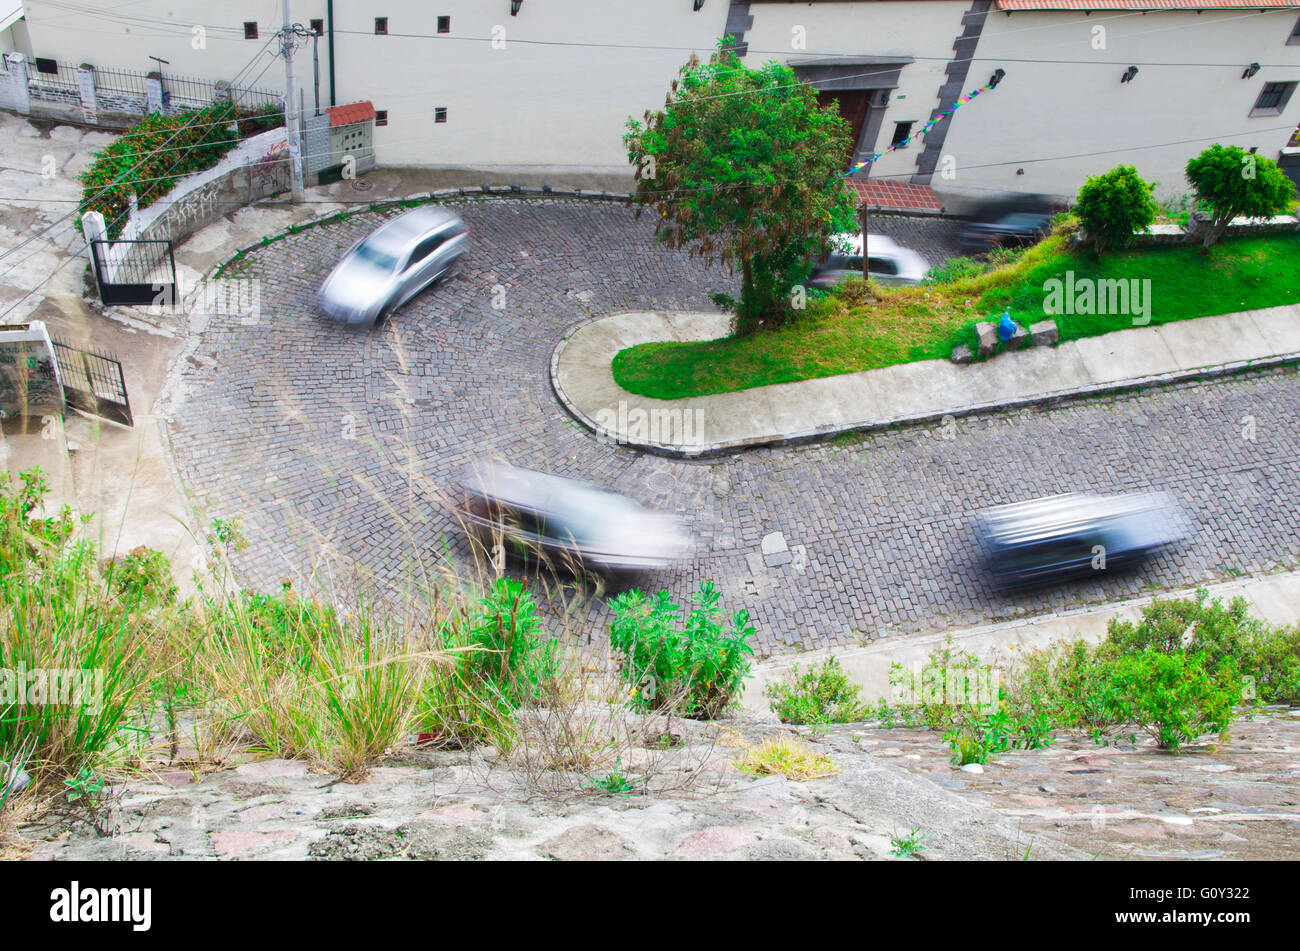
(134, 272)
(93, 382)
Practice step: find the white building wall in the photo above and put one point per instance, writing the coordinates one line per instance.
(556, 97)
(924, 30)
(1046, 117)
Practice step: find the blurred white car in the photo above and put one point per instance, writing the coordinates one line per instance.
(888, 262)
(566, 522)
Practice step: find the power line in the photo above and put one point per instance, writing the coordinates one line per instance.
(73, 212)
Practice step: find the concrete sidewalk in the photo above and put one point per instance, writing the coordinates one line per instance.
(920, 392)
(1274, 598)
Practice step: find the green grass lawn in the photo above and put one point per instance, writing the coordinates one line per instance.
(863, 328)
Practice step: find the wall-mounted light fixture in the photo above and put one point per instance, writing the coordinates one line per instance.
(514, 7)
(996, 78)
(698, 5)
(1251, 70)
(1129, 74)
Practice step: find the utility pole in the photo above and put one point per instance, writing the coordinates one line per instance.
(287, 35)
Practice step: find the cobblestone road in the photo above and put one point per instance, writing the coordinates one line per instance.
(331, 444)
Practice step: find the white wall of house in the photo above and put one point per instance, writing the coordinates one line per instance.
(1056, 110)
(924, 30)
(557, 96)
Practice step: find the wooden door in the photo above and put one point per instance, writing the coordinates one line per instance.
(854, 105)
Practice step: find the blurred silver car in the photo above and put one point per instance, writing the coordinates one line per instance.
(1076, 534)
(392, 264)
(566, 522)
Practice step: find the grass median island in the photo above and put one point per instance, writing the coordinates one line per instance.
(865, 327)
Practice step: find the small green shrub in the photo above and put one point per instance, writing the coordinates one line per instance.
(1176, 698)
(695, 668)
(821, 694)
(142, 578)
(906, 846)
(1114, 206)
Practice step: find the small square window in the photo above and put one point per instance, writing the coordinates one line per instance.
(1273, 99)
(440, 114)
(48, 66)
(901, 131)
(318, 27)
(381, 26)
(250, 29)
(381, 117)
(444, 24)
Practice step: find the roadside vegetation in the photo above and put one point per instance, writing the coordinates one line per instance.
(864, 327)
(228, 675)
(149, 158)
(1176, 677)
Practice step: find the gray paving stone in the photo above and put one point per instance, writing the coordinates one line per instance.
(362, 432)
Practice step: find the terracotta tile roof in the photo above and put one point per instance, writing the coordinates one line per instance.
(895, 196)
(1143, 4)
(352, 112)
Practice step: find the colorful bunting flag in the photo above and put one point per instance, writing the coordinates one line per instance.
(961, 101)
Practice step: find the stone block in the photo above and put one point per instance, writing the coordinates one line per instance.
(1044, 333)
(987, 335)
(962, 354)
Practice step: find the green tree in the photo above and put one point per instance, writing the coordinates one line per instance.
(1235, 183)
(744, 167)
(1114, 206)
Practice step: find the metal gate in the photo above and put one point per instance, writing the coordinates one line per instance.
(134, 272)
(93, 382)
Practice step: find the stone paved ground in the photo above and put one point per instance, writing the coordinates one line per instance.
(332, 445)
(935, 239)
(1236, 800)
(1075, 800)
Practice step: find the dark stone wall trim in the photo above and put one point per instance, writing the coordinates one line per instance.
(739, 20)
(956, 70)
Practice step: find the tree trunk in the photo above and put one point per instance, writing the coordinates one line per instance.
(747, 308)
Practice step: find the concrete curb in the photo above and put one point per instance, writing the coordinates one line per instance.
(796, 437)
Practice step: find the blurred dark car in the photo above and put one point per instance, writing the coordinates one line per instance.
(1017, 228)
(1062, 537)
(564, 522)
(1009, 218)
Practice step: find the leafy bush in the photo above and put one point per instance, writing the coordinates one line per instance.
(1232, 182)
(149, 158)
(143, 577)
(1114, 206)
(821, 694)
(1271, 662)
(695, 669)
(1176, 697)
